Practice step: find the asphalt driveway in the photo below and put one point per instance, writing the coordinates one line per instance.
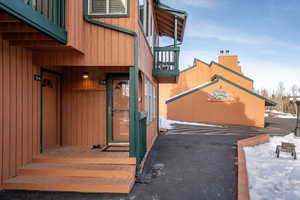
(187, 163)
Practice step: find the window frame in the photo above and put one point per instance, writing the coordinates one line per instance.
(107, 15)
(151, 103)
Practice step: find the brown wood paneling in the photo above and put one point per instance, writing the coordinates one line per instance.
(145, 55)
(52, 110)
(18, 112)
(100, 46)
(84, 109)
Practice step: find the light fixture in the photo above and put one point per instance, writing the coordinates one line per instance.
(85, 75)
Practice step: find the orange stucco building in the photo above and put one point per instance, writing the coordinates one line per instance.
(216, 93)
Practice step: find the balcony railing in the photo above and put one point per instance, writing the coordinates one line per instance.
(166, 63)
(47, 16)
(141, 143)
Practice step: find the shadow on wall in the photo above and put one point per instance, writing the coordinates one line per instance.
(179, 88)
(198, 107)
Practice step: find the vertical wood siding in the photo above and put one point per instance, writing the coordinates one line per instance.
(84, 110)
(19, 109)
(100, 46)
(145, 55)
(151, 134)
(74, 24)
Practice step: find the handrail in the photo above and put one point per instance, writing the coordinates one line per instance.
(142, 144)
(47, 16)
(166, 58)
(53, 10)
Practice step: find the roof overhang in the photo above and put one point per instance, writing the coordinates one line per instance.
(165, 18)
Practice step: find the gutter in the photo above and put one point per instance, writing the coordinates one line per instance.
(133, 84)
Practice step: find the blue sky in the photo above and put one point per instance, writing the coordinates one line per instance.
(263, 33)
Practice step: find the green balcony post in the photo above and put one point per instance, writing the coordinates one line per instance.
(59, 13)
(36, 4)
(54, 11)
(43, 7)
(63, 13)
(33, 13)
(48, 8)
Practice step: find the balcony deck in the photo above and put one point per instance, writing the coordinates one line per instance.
(166, 64)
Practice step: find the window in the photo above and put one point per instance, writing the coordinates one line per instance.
(108, 7)
(141, 11)
(150, 100)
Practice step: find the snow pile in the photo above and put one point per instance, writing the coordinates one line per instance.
(164, 123)
(278, 114)
(271, 177)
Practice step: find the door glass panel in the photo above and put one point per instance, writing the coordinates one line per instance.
(120, 110)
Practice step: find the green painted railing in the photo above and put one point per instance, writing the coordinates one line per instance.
(47, 16)
(166, 58)
(141, 140)
(53, 10)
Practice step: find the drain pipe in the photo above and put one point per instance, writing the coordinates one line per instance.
(134, 86)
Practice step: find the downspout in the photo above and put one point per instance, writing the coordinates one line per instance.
(133, 83)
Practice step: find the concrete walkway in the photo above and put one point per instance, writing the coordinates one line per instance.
(189, 162)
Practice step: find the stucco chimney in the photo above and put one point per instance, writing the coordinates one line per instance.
(230, 61)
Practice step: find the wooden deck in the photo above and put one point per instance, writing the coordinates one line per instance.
(77, 169)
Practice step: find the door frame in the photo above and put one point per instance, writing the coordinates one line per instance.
(42, 136)
(109, 90)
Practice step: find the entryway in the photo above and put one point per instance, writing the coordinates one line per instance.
(50, 110)
(118, 110)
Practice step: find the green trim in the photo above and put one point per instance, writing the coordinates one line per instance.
(162, 57)
(168, 48)
(133, 85)
(109, 107)
(217, 77)
(32, 17)
(109, 26)
(198, 60)
(219, 65)
(191, 91)
(226, 68)
(165, 73)
(179, 13)
(194, 65)
(86, 12)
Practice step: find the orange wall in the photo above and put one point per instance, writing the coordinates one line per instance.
(145, 55)
(199, 74)
(230, 61)
(246, 110)
(19, 109)
(84, 109)
(99, 46)
(216, 70)
(151, 134)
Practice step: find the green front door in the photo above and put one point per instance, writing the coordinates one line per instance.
(118, 109)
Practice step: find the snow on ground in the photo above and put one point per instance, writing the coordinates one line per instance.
(278, 114)
(167, 124)
(271, 177)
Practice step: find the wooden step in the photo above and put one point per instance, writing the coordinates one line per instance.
(69, 184)
(78, 170)
(92, 160)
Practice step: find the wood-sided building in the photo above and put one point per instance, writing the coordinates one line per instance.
(215, 93)
(79, 90)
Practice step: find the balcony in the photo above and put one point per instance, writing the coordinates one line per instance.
(34, 16)
(166, 64)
